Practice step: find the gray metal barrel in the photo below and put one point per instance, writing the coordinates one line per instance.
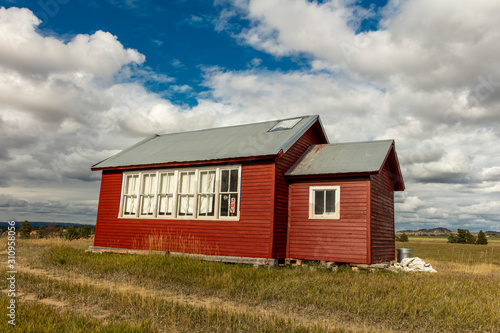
(404, 253)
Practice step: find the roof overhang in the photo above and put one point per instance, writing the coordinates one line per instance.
(187, 164)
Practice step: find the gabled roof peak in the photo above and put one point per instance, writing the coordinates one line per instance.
(366, 157)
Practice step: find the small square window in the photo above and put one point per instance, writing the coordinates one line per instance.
(324, 202)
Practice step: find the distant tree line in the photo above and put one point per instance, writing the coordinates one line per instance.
(463, 236)
(54, 231)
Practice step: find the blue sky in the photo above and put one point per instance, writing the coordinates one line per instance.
(182, 38)
(81, 80)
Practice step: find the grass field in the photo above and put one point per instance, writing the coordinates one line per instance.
(63, 288)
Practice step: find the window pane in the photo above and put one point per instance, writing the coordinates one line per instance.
(184, 183)
(187, 182)
(233, 205)
(186, 205)
(224, 205)
(166, 183)
(224, 181)
(206, 205)
(147, 205)
(234, 181)
(319, 202)
(129, 205)
(163, 183)
(131, 184)
(203, 202)
(165, 205)
(330, 201)
(229, 205)
(148, 184)
(190, 205)
(207, 182)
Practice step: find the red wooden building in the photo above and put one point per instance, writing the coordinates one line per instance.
(252, 193)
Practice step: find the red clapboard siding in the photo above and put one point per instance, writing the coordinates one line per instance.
(342, 240)
(382, 216)
(248, 237)
(281, 199)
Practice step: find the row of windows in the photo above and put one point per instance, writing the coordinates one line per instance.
(205, 193)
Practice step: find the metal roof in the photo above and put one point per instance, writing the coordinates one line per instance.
(340, 158)
(239, 141)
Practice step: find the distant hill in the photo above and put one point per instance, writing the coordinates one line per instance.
(427, 232)
(37, 224)
(439, 232)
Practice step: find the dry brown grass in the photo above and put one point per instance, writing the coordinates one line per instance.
(460, 297)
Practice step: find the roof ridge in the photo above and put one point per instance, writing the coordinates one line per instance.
(357, 142)
(232, 126)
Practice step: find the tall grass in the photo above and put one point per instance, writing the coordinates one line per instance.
(172, 242)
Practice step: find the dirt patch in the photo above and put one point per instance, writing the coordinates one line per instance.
(89, 311)
(33, 298)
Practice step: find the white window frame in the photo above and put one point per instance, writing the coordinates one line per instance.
(188, 194)
(229, 192)
(207, 194)
(175, 204)
(132, 195)
(150, 194)
(312, 203)
(166, 195)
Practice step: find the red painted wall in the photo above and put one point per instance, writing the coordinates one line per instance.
(382, 216)
(248, 237)
(342, 240)
(281, 201)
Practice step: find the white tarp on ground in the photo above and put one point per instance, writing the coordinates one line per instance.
(414, 265)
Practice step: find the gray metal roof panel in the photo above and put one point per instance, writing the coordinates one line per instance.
(248, 140)
(339, 158)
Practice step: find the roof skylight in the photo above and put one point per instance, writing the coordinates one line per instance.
(285, 124)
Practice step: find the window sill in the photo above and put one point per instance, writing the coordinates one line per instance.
(187, 218)
(325, 217)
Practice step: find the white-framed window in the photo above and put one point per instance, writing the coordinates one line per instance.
(166, 192)
(206, 193)
(186, 193)
(210, 193)
(229, 192)
(147, 195)
(129, 194)
(324, 202)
